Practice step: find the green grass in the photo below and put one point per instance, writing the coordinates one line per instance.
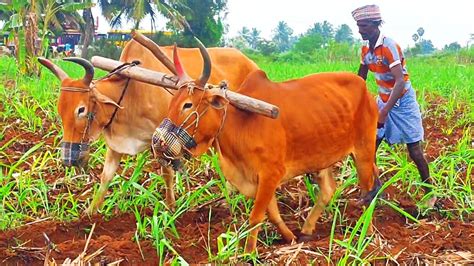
(25, 194)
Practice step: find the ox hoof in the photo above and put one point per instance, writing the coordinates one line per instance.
(304, 238)
(367, 199)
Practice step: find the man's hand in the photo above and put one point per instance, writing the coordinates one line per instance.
(363, 70)
(382, 118)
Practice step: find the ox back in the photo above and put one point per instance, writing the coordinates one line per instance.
(322, 117)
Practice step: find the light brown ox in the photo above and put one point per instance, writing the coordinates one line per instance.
(142, 108)
(323, 118)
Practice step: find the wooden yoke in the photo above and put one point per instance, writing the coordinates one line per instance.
(161, 79)
(136, 72)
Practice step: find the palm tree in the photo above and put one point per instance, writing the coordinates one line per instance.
(282, 36)
(87, 30)
(244, 34)
(115, 11)
(254, 38)
(420, 31)
(415, 37)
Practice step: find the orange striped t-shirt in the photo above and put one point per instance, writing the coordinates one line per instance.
(386, 54)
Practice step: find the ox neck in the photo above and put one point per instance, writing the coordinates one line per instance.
(227, 135)
(112, 117)
(106, 112)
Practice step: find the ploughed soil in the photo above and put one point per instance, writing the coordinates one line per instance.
(435, 238)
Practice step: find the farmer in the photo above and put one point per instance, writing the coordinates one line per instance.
(399, 113)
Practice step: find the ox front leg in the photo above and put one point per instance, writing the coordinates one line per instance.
(275, 217)
(168, 175)
(112, 160)
(267, 184)
(327, 186)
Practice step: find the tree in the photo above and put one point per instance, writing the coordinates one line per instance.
(344, 34)
(308, 43)
(244, 33)
(87, 29)
(267, 47)
(205, 17)
(420, 31)
(254, 38)
(282, 36)
(324, 29)
(422, 46)
(115, 11)
(427, 47)
(452, 47)
(239, 42)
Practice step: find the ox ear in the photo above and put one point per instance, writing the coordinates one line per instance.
(104, 99)
(217, 101)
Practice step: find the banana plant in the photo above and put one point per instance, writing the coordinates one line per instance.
(30, 22)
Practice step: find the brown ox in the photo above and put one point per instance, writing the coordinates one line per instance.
(323, 118)
(142, 107)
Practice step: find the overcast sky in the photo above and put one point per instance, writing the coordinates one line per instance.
(444, 21)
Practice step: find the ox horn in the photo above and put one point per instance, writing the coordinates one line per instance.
(182, 75)
(57, 71)
(154, 49)
(206, 71)
(88, 67)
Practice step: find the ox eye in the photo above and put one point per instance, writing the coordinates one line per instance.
(187, 106)
(81, 111)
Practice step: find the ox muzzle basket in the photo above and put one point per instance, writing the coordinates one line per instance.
(171, 142)
(74, 154)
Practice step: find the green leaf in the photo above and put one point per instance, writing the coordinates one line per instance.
(15, 21)
(71, 7)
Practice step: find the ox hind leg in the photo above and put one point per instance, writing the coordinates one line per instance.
(112, 160)
(168, 175)
(327, 187)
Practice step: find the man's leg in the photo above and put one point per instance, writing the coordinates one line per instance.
(416, 154)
